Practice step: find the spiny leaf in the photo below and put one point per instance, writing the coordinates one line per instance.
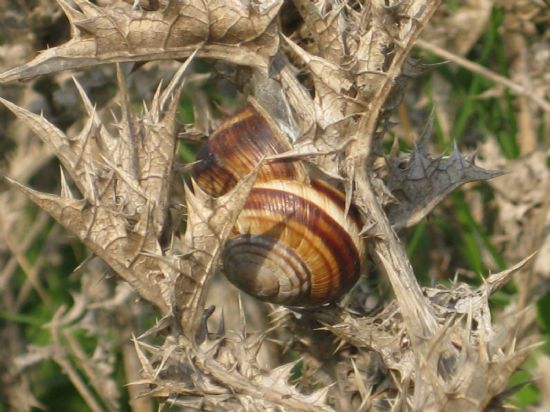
(422, 182)
(53, 137)
(332, 88)
(106, 234)
(224, 30)
(326, 28)
(208, 226)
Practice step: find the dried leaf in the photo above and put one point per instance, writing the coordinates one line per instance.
(326, 27)
(125, 183)
(209, 224)
(224, 30)
(421, 182)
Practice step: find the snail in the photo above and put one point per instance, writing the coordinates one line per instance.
(293, 243)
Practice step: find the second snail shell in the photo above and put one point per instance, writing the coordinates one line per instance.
(293, 242)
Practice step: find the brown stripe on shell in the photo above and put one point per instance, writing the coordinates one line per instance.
(236, 147)
(300, 215)
(211, 176)
(337, 197)
(324, 284)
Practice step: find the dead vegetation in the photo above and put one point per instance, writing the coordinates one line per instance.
(334, 76)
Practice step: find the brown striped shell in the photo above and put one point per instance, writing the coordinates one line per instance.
(293, 243)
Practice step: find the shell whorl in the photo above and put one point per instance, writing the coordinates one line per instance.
(237, 146)
(293, 242)
(266, 268)
(304, 221)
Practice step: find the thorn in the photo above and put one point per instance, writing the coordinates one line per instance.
(176, 84)
(367, 229)
(257, 345)
(72, 14)
(340, 345)
(319, 397)
(161, 325)
(155, 103)
(165, 356)
(65, 189)
(455, 147)
(83, 96)
(426, 133)
(282, 373)
(145, 364)
(83, 263)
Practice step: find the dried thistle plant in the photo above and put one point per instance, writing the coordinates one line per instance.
(330, 82)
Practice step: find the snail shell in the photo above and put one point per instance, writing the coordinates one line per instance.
(293, 243)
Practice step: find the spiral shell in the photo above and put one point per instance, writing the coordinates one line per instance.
(293, 243)
(237, 146)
